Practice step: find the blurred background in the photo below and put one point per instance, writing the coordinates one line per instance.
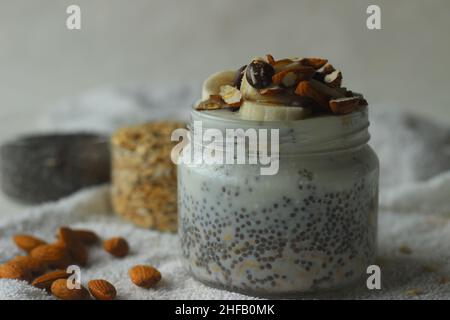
(177, 41)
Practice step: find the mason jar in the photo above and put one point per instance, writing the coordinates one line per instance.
(310, 225)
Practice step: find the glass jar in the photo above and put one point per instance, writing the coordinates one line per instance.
(309, 227)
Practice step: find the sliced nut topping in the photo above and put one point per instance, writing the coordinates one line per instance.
(231, 95)
(316, 63)
(306, 89)
(279, 65)
(284, 82)
(289, 79)
(328, 68)
(334, 79)
(210, 104)
(292, 75)
(345, 105)
(270, 59)
(271, 91)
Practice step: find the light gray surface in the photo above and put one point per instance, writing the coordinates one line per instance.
(165, 41)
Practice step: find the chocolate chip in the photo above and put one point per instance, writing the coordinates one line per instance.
(259, 74)
(238, 77)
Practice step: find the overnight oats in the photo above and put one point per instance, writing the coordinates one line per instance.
(302, 222)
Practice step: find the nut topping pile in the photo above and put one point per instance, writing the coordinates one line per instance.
(310, 83)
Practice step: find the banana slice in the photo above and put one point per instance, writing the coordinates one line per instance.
(212, 84)
(259, 111)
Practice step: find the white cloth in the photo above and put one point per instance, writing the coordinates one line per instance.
(414, 206)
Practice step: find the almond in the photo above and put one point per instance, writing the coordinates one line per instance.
(53, 255)
(281, 64)
(87, 237)
(45, 281)
(27, 242)
(102, 290)
(231, 95)
(271, 91)
(33, 265)
(12, 270)
(60, 290)
(328, 68)
(270, 59)
(345, 105)
(305, 89)
(117, 246)
(316, 63)
(144, 276)
(334, 79)
(76, 248)
(289, 76)
(210, 104)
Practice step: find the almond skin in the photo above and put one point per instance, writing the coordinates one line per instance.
(12, 270)
(59, 289)
(69, 239)
(86, 236)
(27, 242)
(45, 281)
(102, 290)
(33, 265)
(144, 276)
(117, 246)
(53, 255)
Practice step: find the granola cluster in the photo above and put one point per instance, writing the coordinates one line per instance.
(310, 83)
(144, 184)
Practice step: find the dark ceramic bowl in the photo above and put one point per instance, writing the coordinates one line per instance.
(45, 167)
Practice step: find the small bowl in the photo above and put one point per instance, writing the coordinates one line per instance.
(46, 167)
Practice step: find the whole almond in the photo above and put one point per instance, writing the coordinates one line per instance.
(144, 276)
(117, 246)
(101, 289)
(12, 270)
(31, 264)
(60, 290)
(86, 236)
(53, 255)
(69, 239)
(27, 242)
(45, 281)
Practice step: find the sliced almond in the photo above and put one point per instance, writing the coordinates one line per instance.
(316, 63)
(291, 75)
(270, 59)
(231, 95)
(334, 79)
(210, 104)
(345, 105)
(271, 91)
(306, 89)
(328, 68)
(279, 65)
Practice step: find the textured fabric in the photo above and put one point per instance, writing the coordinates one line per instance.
(414, 206)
